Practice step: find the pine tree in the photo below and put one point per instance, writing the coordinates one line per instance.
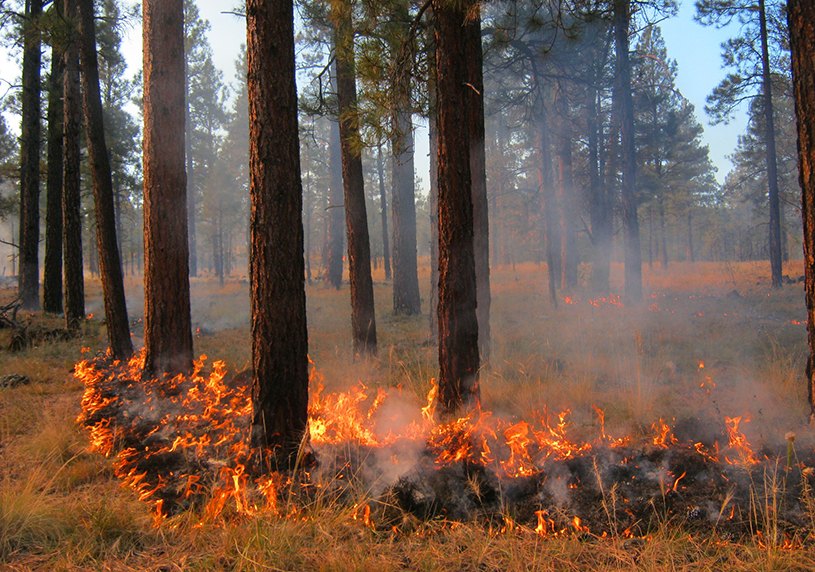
(753, 68)
(167, 322)
(29, 278)
(363, 318)
(279, 334)
(802, 42)
(457, 322)
(71, 192)
(107, 245)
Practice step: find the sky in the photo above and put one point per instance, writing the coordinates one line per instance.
(696, 49)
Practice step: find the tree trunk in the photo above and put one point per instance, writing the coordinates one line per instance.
(192, 236)
(279, 334)
(52, 276)
(801, 15)
(29, 278)
(110, 267)
(663, 238)
(458, 324)
(383, 203)
(599, 208)
(336, 210)
(690, 235)
(633, 256)
(167, 322)
(433, 136)
(71, 194)
(307, 208)
(406, 300)
(547, 198)
(363, 319)
(567, 199)
(478, 172)
(770, 153)
(433, 143)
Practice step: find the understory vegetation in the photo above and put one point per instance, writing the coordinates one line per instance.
(711, 341)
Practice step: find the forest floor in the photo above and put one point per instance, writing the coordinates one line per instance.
(712, 342)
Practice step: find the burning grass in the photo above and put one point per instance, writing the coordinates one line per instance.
(672, 454)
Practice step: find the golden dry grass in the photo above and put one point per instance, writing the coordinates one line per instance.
(60, 509)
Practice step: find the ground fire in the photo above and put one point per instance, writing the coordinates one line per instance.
(181, 444)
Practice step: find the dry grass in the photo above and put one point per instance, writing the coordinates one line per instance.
(60, 509)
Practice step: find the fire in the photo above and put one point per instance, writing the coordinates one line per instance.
(738, 442)
(183, 442)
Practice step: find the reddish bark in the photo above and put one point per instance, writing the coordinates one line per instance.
(71, 192)
(279, 335)
(802, 41)
(363, 318)
(458, 324)
(167, 323)
(110, 268)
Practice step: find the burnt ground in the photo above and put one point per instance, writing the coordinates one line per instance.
(180, 454)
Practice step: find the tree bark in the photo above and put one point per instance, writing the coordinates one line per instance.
(192, 236)
(30, 140)
(458, 324)
(167, 322)
(599, 207)
(566, 192)
(478, 172)
(406, 299)
(801, 14)
(363, 319)
(52, 277)
(633, 255)
(336, 209)
(433, 143)
(663, 237)
(71, 193)
(383, 203)
(547, 200)
(279, 334)
(110, 267)
(770, 153)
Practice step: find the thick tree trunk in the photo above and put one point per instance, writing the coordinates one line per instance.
(458, 324)
(30, 138)
(406, 300)
(279, 334)
(770, 153)
(71, 195)
(801, 15)
(167, 323)
(336, 210)
(631, 228)
(52, 276)
(478, 172)
(383, 203)
(110, 267)
(363, 319)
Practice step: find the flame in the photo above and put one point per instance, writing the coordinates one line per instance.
(184, 440)
(664, 437)
(738, 442)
